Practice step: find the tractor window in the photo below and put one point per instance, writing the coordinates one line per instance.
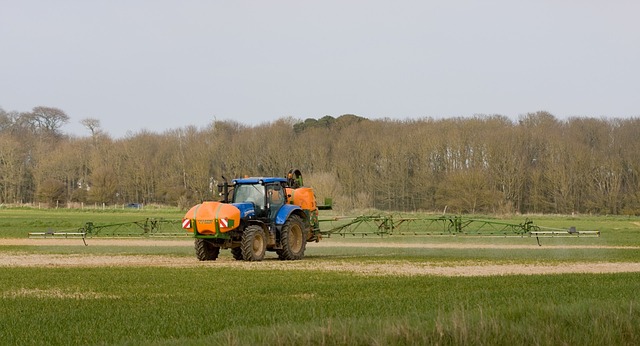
(275, 196)
(250, 193)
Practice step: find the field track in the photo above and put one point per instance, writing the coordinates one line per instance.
(400, 268)
(325, 243)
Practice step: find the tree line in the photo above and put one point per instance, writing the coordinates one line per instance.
(480, 164)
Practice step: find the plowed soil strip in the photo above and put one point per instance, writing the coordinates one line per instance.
(398, 268)
(324, 243)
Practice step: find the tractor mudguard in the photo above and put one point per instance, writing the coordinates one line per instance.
(284, 212)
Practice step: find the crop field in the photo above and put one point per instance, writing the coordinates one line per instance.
(351, 290)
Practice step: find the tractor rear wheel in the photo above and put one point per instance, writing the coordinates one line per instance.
(254, 243)
(237, 253)
(206, 250)
(293, 239)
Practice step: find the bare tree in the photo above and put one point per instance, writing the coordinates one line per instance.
(49, 119)
(51, 191)
(5, 120)
(92, 124)
(12, 169)
(103, 185)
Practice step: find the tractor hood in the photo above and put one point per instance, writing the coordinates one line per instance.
(247, 209)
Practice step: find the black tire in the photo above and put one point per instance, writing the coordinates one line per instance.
(237, 253)
(293, 239)
(254, 243)
(206, 250)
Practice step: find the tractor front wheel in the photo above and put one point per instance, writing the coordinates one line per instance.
(254, 243)
(293, 239)
(206, 250)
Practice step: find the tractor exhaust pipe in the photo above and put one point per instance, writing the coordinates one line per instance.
(223, 190)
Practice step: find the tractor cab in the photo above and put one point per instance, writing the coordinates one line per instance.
(264, 195)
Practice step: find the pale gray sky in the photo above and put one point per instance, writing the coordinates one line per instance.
(162, 64)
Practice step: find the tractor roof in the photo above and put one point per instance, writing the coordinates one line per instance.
(259, 180)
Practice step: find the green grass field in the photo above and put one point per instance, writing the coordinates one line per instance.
(211, 305)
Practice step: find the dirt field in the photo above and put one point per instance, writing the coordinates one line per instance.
(402, 268)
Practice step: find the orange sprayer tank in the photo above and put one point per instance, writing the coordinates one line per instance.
(213, 217)
(302, 197)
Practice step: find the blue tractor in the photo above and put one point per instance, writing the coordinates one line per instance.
(256, 215)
